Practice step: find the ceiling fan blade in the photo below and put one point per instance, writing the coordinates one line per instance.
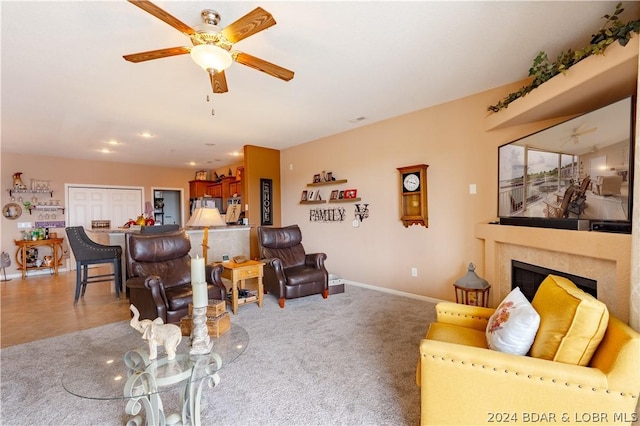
(251, 23)
(218, 82)
(262, 65)
(156, 54)
(164, 16)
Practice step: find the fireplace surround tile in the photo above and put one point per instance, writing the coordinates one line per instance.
(599, 256)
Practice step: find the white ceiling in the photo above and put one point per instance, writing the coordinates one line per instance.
(67, 91)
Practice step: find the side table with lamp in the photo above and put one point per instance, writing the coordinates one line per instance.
(472, 289)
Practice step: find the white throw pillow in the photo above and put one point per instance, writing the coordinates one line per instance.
(513, 325)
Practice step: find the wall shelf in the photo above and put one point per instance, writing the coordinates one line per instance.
(592, 83)
(30, 191)
(313, 202)
(45, 208)
(331, 182)
(345, 200)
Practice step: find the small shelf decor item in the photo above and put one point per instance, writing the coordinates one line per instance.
(472, 289)
(334, 195)
(350, 193)
(201, 175)
(413, 195)
(304, 195)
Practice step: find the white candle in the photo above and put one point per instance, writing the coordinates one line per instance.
(198, 283)
(200, 294)
(197, 270)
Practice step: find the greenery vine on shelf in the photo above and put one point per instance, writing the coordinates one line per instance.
(542, 70)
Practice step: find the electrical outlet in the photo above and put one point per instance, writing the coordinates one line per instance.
(472, 188)
(24, 225)
(414, 272)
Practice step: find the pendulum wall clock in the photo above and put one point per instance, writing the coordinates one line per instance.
(413, 195)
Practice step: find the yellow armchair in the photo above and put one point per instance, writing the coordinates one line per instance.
(463, 382)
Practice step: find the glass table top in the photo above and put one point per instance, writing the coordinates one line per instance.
(102, 370)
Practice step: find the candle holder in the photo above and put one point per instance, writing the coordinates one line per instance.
(201, 344)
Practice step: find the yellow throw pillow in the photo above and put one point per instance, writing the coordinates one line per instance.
(572, 322)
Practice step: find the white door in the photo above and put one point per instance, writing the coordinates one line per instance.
(118, 205)
(86, 203)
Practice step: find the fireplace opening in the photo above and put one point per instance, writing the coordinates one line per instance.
(529, 277)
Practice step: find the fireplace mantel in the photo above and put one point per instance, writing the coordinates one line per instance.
(605, 257)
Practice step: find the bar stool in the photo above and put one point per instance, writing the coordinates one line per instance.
(87, 252)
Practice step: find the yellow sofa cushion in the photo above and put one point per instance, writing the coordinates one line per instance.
(572, 322)
(456, 334)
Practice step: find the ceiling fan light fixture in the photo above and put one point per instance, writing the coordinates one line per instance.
(211, 57)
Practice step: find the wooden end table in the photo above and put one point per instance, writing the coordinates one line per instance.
(239, 272)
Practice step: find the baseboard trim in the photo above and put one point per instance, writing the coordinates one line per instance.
(33, 273)
(396, 292)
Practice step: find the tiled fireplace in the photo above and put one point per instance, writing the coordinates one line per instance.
(602, 257)
(528, 278)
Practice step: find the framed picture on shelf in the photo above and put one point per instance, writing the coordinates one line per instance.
(304, 196)
(334, 195)
(311, 196)
(201, 175)
(316, 178)
(341, 195)
(350, 193)
(329, 176)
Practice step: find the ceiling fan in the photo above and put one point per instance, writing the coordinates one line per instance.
(212, 45)
(576, 133)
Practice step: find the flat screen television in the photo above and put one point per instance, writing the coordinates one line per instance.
(577, 174)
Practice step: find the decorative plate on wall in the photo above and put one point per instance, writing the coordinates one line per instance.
(12, 211)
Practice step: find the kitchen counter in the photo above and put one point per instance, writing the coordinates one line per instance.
(231, 240)
(134, 230)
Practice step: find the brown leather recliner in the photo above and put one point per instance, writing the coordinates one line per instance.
(289, 272)
(159, 275)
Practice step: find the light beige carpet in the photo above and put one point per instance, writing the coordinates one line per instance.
(347, 360)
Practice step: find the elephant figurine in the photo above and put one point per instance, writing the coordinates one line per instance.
(157, 333)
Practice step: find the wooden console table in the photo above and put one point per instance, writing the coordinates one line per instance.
(21, 254)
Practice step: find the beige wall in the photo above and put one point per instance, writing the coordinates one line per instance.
(61, 171)
(451, 139)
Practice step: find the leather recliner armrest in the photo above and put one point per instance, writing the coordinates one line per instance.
(153, 285)
(213, 274)
(156, 287)
(273, 262)
(274, 275)
(315, 259)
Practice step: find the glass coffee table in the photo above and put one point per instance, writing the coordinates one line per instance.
(113, 370)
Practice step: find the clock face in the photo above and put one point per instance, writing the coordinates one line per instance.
(411, 182)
